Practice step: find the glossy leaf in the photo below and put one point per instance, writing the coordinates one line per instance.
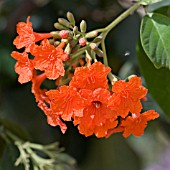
(157, 80)
(155, 39)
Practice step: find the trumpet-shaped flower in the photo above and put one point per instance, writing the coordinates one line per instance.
(49, 59)
(134, 124)
(27, 36)
(91, 77)
(97, 117)
(66, 101)
(24, 66)
(127, 95)
(43, 102)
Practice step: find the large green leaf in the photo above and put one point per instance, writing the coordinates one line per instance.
(154, 34)
(157, 80)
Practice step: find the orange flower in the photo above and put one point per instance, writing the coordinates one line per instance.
(49, 59)
(97, 116)
(27, 36)
(66, 101)
(91, 77)
(127, 95)
(52, 119)
(36, 83)
(136, 123)
(24, 67)
(43, 101)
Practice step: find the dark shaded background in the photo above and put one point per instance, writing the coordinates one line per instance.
(18, 104)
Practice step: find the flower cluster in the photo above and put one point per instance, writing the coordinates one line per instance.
(83, 93)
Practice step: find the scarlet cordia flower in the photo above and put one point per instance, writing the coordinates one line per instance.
(66, 101)
(27, 36)
(135, 124)
(49, 59)
(24, 67)
(52, 119)
(92, 77)
(127, 95)
(36, 83)
(43, 101)
(97, 117)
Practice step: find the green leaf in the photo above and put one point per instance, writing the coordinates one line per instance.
(164, 11)
(154, 34)
(147, 2)
(157, 80)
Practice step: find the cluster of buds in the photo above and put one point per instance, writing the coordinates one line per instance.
(82, 91)
(75, 37)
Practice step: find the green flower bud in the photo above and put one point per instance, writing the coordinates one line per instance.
(99, 52)
(70, 17)
(91, 34)
(59, 26)
(55, 34)
(75, 30)
(64, 22)
(51, 41)
(56, 43)
(67, 49)
(83, 26)
(97, 39)
(93, 46)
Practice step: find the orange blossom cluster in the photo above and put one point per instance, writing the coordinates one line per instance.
(86, 99)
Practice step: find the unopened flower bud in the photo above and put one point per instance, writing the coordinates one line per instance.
(78, 35)
(64, 34)
(82, 42)
(91, 34)
(99, 52)
(70, 17)
(97, 39)
(59, 26)
(75, 29)
(83, 26)
(51, 41)
(93, 46)
(55, 34)
(64, 22)
(67, 49)
(56, 43)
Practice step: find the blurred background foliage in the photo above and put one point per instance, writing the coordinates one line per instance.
(18, 105)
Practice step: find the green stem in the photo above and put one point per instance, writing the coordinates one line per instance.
(106, 30)
(104, 52)
(79, 52)
(122, 17)
(12, 136)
